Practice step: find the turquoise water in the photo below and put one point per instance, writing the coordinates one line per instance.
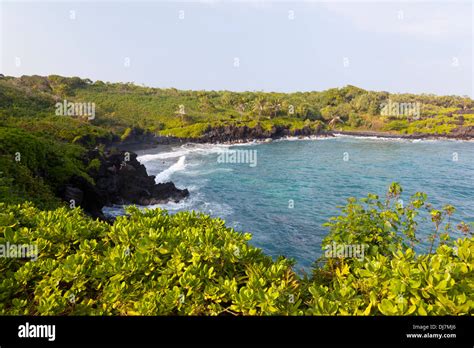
(315, 176)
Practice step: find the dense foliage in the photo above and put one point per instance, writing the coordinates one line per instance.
(153, 263)
(34, 168)
(392, 279)
(29, 102)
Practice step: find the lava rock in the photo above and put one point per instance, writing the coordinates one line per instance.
(120, 179)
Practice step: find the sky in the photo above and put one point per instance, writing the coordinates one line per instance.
(284, 46)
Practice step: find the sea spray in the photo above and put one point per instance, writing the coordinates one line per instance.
(199, 149)
(165, 174)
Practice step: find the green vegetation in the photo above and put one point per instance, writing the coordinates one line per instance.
(150, 263)
(34, 168)
(29, 103)
(442, 124)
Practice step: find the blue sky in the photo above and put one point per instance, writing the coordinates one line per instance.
(416, 47)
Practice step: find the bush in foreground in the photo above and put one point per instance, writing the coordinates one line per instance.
(152, 263)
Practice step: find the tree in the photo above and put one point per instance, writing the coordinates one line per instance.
(343, 111)
(259, 105)
(240, 107)
(350, 92)
(205, 104)
(227, 99)
(355, 120)
(275, 106)
(328, 113)
(335, 120)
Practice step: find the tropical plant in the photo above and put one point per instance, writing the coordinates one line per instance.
(152, 263)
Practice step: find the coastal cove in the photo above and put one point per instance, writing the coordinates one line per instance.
(159, 160)
(299, 183)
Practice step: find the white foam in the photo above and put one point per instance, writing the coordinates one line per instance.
(114, 210)
(370, 137)
(185, 204)
(196, 202)
(432, 139)
(165, 174)
(201, 149)
(302, 138)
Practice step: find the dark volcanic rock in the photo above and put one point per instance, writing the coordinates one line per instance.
(120, 179)
(80, 192)
(223, 134)
(123, 180)
(460, 133)
(463, 132)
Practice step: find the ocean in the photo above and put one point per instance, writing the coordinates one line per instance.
(283, 191)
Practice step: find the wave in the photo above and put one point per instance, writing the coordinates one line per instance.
(165, 174)
(432, 139)
(196, 202)
(372, 137)
(300, 138)
(183, 150)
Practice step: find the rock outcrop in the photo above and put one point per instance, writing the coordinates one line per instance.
(224, 134)
(462, 133)
(123, 180)
(119, 179)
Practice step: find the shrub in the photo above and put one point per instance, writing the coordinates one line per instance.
(397, 125)
(391, 279)
(153, 263)
(147, 263)
(53, 161)
(355, 120)
(17, 182)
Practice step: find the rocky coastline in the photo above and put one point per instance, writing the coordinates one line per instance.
(460, 133)
(119, 178)
(232, 134)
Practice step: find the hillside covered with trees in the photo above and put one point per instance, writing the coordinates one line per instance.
(29, 102)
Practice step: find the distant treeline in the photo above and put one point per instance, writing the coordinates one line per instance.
(122, 106)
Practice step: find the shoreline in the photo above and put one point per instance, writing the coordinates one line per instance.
(169, 142)
(417, 136)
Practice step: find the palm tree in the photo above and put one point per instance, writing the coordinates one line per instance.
(334, 121)
(303, 110)
(275, 106)
(259, 105)
(240, 107)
